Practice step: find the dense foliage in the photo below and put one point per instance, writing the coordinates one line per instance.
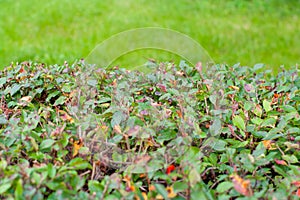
(79, 132)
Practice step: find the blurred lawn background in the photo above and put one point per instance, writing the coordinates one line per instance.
(232, 31)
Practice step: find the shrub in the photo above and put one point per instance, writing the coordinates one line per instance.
(77, 132)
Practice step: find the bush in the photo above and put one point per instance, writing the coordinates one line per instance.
(76, 132)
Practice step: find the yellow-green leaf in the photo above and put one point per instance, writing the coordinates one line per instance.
(239, 122)
(267, 105)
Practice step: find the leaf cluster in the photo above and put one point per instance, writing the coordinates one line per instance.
(77, 131)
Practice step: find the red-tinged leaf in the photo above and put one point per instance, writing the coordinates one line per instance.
(26, 99)
(133, 131)
(242, 186)
(199, 67)
(298, 193)
(248, 87)
(76, 146)
(269, 144)
(129, 186)
(280, 162)
(65, 116)
(296, 183)
(142, 160)
(231, 129)
(170, 168)
(179, 113)
(22, 70)
(162, 87)
(117, 129)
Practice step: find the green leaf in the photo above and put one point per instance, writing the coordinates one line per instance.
(258, 66)
(39, 90)
(290, 158)
(243, 133)
(4, 187)
(3, 119)
(180, 186)
(51, 170)
(15, 89)
(55, 185)
(194, 177)
(267, 105)
(270, 122)
(53, 94)
(257, 121)
(3, 164)
(59, 80)
(239, 144)
(92, 82)
(66, 88)
(297, 138)
(293, 130)
(259, 151)
(2, 81)
(248, 105)
(47, 143)
(216, 127)
(166, 135)
(79, 163)
(239, 122)
(161, 190)
(213, 158)
(198, 131)
(224, 187)
(272, 136)
(19, 189)
(257, 110)
(61, 100)
(104, 100)
(275, 130)
(219, 145)
(282, 123)
(288, 108)
(34, 144)
(117, 118)
(280, 171)
(95, 187)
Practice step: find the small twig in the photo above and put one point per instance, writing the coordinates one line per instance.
(180, 194)
(85, 173)
(213, 185)
(206, 106)
(188, 192)
(203, 173)
(120, 162)
(127, 141)
(94, 169)
(269, 178)
(280, 150)
(233, 133)
(140, 147)
(79, 131)
(143, 189)
(105, 189)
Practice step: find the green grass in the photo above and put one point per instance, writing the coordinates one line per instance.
(248, 32)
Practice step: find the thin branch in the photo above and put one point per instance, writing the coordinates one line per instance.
(94, 169)
(203, 173)
(85, 173)
(105, 189)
